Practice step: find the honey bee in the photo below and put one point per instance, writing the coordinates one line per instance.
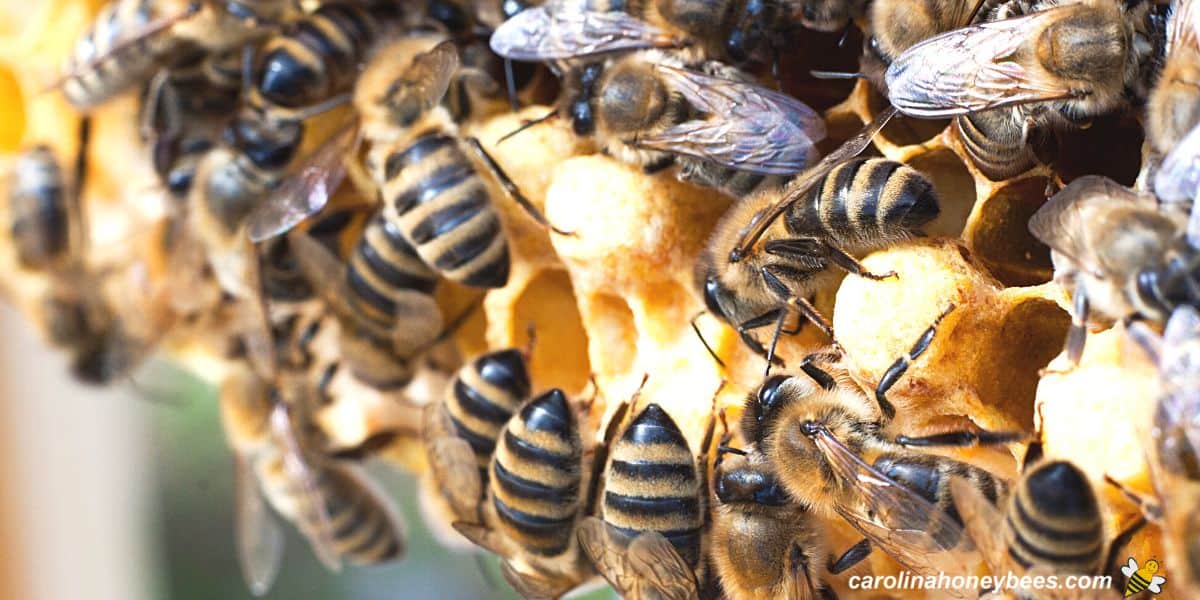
(430, 179)
(842, 207)
(133, 39)
(827, 15)
(44, 211)
(764, 545)
(1118, 255)
(1174, 105)
(1175, 449)
(827, 442)
(564, 29)
(1051, 496)
(897, 25)
(462, 429)
(535, 495)
(344, 516)
(316, 57)
(648, 542)
(1062, 64)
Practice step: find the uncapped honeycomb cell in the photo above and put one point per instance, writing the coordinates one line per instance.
(954, 186)
(1001, 238)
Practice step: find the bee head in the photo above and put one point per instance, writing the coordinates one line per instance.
(762, 407)
(579, 104)
(747, 484)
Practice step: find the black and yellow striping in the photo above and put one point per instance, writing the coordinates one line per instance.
(995, 143)
(388, 282)
(652, 484)
(437, 198)
(1053, 519)
(536, 475)
(317, 56)
(40, 225)
(929, 475)
(483, 397)
(864, 197)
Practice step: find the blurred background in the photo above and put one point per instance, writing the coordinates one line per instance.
(128, 494)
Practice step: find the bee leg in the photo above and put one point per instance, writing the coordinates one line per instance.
(507, 183)
(962, 438)
(510, 83)
(758, 322)
(1117, 545)
(898, 368)
(161, 99)
(854, 555)
(817, 374)
(1077, 334)
(851, 264)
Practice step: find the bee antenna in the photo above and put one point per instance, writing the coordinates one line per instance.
(845, 35)
(510, 82)
(711, 352)
(531, 334)
(527, 125)
(637, 394)
(836, 75)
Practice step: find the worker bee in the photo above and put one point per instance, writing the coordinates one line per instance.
(897, 25)
(827, 442)
(463, 428)
(842, 207)
(1062, 64)
(1116, 253)
(1174, 105)
(765, 545)
(43, 209)
(132, 39)
(1051, 496)
(430, 179)
(344, 516)
(1174, 453)
(535, 495)
(316, 57)
(648, 539)
(563, 29)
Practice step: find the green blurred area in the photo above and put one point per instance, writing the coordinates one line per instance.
(194, 470)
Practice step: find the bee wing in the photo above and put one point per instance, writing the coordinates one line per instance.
(749, 127)
(531, 586)
(1156, 583)
(896, 519)
(607, 550)
(259, 536)
(970, 69)
(657, 563)
(323, 271)
(428, 77)
(797, 187)
(1178, 179)
(1185, 23)
(453, 464)
(1130, 568)
(980, 519)
(307, 191)
(131, 40)
(1060, 222)
(312, 515)
(563, 29)
(480, 536)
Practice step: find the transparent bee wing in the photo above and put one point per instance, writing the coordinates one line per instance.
(1177, 417)
(798, 186)
(657, 563)
(312, 515)
(1178, 179)
(981, 521)
(1130, 568)
(564, 29)
(531, 586)
(1185, 23)
(1156, 584)
(308, 189)
(133, 38)
(323, 271)
(259, 536)
(426, 80)
(912, 530)
(453, 463)
(1060, 223)
(970, 69)
(750, 128)
(480, 536)
(606, 548)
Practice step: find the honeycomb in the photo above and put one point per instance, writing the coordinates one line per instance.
(614, 302)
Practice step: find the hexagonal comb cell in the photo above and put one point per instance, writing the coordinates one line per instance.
(559, 356)
(954, 186)
(1000, 236)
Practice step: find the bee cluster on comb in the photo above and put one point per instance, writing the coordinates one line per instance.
(707, 298)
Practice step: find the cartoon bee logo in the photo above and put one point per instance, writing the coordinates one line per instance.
(1143, 578)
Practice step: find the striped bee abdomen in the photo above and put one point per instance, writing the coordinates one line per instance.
(363, 529)
(106, 60)
(1053, 519)
(865, 198)
(388, 281)
(929, 476)
(995, 144)
(317, 57)
(536, 475)
(483, 397)
(652, 484)
(437, 198)
(37, 203)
